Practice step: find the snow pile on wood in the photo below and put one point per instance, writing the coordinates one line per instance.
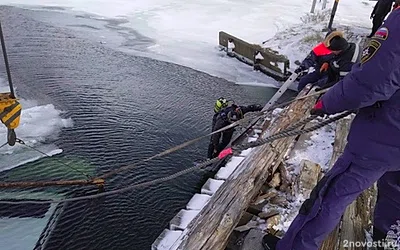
(309, 158)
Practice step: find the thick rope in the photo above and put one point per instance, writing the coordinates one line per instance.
(283, 134)
(289, 132)
(241, 122)
(301, 123)
(4, 145)
(121, 190)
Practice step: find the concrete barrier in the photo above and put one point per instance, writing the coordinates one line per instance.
(264, 59)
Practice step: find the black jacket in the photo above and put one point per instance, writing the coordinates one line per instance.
(382, 8)
(223, 121)
(341, 64)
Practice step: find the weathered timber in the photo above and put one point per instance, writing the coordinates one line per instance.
(308, 177)
(285, 180)
(276, 180)
(253, 240)
(271, 62)
(342, 130)
(273, 221)
(212, 227)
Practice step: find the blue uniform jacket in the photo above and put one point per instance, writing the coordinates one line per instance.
(375, 131)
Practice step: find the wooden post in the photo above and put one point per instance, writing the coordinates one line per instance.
(212, 227)
(313, 6)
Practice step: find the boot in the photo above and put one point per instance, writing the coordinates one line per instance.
(378, 236)
(269, 241)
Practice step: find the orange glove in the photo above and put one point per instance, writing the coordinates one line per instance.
(324, 67)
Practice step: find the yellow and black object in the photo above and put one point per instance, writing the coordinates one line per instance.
(10, 108)
(10, 113)
(220, 104)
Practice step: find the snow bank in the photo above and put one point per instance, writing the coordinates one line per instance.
(230, 167)
(182, 219)
(166, 240)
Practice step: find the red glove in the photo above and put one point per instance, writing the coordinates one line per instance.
(324, 67)
(318, 109)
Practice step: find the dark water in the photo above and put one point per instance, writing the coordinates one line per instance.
(124, 108)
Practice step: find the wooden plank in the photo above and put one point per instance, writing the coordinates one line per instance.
(342, 130)
(212, 227)
(272, 64)
(357, 219)
(253, 240)
(308, 177)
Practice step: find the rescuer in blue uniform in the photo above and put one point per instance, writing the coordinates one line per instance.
(372, 153)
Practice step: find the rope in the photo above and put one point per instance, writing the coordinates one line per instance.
(245, 120)
(283, 134)
(62, 163)
(301, 123)
(3, 144)
(289, 132)
(121, 190)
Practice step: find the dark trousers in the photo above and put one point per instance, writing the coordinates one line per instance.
(376, 23)
(226, 138)
(347, 179)
(310, 78)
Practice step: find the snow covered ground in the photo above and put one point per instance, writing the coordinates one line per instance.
(186, 31)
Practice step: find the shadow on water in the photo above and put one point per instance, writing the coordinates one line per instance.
(124, 108)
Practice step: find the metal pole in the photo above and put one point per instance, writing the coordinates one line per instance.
(333, 14)
(313, 6)
(3, 47)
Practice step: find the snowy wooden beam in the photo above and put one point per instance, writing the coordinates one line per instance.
(213, 225)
